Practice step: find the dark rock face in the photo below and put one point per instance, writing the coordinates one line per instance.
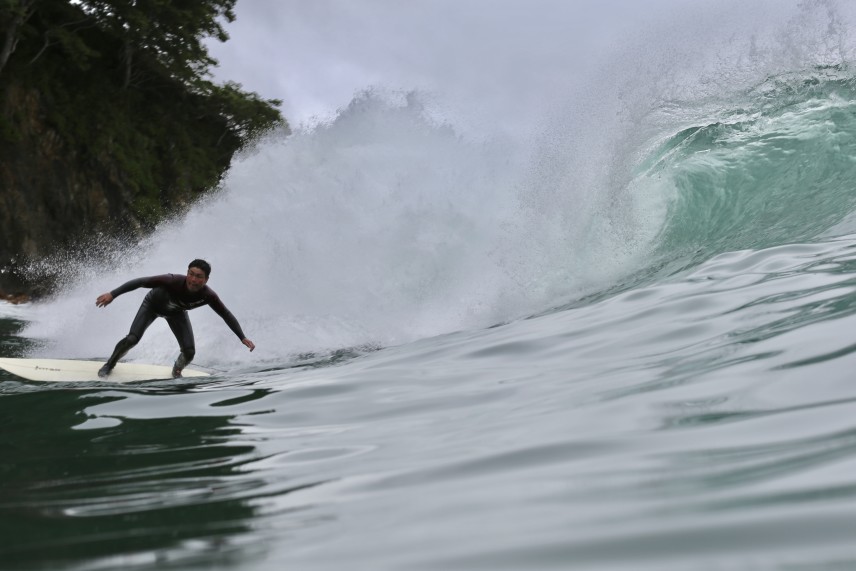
(50, 195)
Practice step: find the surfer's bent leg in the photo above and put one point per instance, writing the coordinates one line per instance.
(145, 316)
(183, 331)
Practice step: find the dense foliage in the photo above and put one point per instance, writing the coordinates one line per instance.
(126, 83)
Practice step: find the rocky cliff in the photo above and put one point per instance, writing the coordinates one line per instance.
(55, 194)
(109, 123)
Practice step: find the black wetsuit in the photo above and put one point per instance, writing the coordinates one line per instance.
(171, 300)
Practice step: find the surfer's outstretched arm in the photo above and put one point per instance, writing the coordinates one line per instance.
(152, 281)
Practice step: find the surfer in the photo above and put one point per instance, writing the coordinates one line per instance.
(171, 296)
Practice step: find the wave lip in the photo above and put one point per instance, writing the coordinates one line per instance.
(774, 166)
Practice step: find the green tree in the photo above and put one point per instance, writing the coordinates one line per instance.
(163, 37)
(246, 114)
(109, 118)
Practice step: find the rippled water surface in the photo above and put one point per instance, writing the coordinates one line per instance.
(700, 422)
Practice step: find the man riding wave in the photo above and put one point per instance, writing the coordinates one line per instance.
(171, 297)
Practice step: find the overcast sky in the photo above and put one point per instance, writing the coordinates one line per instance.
(316, 54)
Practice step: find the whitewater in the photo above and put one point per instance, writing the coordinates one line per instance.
(612, 334)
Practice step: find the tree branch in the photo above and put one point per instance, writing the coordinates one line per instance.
(24, 10)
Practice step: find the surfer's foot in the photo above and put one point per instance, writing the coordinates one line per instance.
(104, 370)
(179, 365)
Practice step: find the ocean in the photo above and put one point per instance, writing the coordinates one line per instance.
(623, 341)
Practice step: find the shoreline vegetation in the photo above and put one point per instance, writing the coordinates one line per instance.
(110, 122)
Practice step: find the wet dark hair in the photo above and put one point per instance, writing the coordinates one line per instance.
(202, 265)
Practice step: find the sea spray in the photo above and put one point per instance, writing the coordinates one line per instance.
(387, 224)
(380, 227)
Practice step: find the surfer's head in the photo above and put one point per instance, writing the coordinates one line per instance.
(202, 265)
(197, 274)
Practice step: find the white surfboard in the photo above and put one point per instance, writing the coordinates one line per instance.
(64, 370)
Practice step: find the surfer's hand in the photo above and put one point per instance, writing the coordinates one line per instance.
(104, 299)
(249, 344)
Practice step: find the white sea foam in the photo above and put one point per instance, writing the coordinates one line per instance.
(390, 223)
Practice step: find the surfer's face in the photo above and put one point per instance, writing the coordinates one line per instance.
(196, 279)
